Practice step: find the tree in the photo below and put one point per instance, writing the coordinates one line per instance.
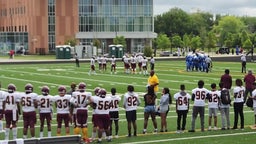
(196, 42)
(120, 40)
(228, 24)
(211, 40)
(186, 41)
(176, 41)
(148, 51)
(71, 42)
(247, 44)
(163, 41)
(175, 21)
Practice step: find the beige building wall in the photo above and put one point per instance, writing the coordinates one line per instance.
(34, 20)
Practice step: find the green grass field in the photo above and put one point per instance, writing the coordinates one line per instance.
(170, 73)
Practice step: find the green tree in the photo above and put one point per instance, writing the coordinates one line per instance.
(247, 44)
(71, 42)
(163, 42)
(196, 42)
(176, 41)
(175, 21)
(228, 24)
(120, 40)
(211, 41)
(148, 51)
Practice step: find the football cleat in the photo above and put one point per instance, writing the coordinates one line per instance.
(11, 88)
(45, 90)
(28, 88)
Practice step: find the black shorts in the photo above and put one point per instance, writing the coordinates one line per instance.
(131, 116)
(114, 115)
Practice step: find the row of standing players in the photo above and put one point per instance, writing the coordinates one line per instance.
(130, 64)
(105, 108)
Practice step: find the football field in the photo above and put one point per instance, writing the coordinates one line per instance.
(170, 73)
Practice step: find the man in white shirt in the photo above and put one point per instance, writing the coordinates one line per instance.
(28, 101)
(130, 103)
(11, 109)
(198, 96)
(213, 101)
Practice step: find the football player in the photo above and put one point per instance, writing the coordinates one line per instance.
(213, 105)
(198, 96)
(140, 59)
(101, 115)
(62, 103)
(28, 101)
(130, 103)
(133, 64)
(182, 106)
(145, 66)
(114, 111)
(80, 101)
(45, 110)
(1, 109)
(113, 64)
(11, 109)
(92, 64)
(104, 63)
(93, 105)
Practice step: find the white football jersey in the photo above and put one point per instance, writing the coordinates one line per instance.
(102, 105)
(213, 101)
(182, 100)
(113, 61)
(45, 103)
(253, 96)
(1, 99)
(80, 99)
(114, 102)
(200, 96)
(131, 101)
(62, 103)
(240, 94)
(10, 100)
(27, 101)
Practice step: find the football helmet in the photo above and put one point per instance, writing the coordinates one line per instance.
(62, 90)
(102, 93)
(81, 86)
(45, 90)
(11, 88)
(28, 88)
(96, 91)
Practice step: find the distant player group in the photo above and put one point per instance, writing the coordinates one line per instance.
(198, 62)
(131, 63)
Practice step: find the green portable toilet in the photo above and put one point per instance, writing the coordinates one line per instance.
(112, 50)
(119, 51)
(59, 52)
(67, 52)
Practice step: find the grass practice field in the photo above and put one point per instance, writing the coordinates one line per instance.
(170, 73)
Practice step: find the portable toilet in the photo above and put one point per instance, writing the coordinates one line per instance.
(112, 50)
(119, 51)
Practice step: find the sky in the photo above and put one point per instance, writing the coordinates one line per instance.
(224, 7)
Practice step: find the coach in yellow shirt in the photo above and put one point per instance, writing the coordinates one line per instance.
(153, 81)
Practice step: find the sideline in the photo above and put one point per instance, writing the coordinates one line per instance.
(196, 137)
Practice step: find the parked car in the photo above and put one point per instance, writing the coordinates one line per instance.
(165, 54)
(223, 50)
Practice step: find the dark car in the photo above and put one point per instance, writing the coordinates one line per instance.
(165, 54)
(223, 50)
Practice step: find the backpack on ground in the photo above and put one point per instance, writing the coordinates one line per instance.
(225, 97)
(249, 102)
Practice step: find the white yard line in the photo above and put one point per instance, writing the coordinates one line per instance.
(190, 138)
